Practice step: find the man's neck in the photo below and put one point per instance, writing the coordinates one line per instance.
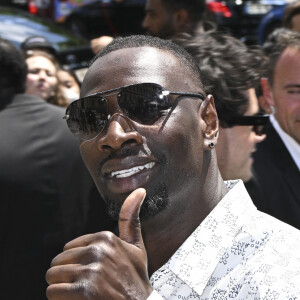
(163, 235)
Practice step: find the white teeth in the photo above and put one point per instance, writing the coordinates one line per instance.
(129, 172)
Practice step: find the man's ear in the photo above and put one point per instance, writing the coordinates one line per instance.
(267, 100)
(181, 20)
(210, 122)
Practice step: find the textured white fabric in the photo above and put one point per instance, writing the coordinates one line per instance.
(154, 296)
(237, 252)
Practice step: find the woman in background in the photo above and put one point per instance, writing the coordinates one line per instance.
(69, 83)
(42, 78)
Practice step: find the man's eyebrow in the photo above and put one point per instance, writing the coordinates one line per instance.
(292, 85)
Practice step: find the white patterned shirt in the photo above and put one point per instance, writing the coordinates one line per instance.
(237, 252)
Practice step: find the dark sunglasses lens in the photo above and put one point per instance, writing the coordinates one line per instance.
(87, 117)
(143, 102)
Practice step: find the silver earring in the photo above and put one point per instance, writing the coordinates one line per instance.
(211, 145)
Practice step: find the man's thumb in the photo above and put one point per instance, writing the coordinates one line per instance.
(129, 221)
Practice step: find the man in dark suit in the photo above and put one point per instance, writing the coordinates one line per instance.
(277, 160)
(45, 187)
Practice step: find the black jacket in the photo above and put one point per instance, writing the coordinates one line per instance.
(45, 192)
(279, 179)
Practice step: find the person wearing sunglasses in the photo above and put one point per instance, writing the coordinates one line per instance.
(147, 133)
(231, 72)
(277, 160)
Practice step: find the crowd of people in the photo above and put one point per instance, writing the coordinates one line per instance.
(179, 174)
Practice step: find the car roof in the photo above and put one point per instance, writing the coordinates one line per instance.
(16, 25)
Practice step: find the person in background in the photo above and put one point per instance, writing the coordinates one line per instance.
(46, 191)
(42, 77)
(168, 18)
(291, 16)
(69, 84)
(231, 72)
(277, 159)
(268, 47)
(184, 233)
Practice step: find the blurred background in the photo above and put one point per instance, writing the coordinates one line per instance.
(70, 24)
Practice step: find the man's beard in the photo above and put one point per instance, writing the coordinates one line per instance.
(154, 203)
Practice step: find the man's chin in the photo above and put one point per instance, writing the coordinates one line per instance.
(153, 204)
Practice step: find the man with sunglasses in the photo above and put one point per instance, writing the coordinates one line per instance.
(183, 232)
(277, 160)
(232, 72)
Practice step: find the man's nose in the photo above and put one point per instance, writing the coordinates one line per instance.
(145, 24)
(119, 133)
(42, 74)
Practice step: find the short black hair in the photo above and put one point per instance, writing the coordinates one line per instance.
(135, 41)
(195, 8)
(275, 44)
(13, 68)
(228, 67)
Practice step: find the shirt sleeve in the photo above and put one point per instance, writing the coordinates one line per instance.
(155, 296)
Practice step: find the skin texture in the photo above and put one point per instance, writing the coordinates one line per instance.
(102, 265)
(158, 21)
(236, 145)
(284, 94)
(41, 78)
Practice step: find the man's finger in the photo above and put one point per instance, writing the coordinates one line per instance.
(129, 221)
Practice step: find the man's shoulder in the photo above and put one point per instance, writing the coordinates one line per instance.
(23, 102)
(33, 116)
(263, 259)
(275, 230)
(271, 142)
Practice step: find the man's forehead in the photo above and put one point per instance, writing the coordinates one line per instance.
(154, 4)
(135, 65)
(138, 58)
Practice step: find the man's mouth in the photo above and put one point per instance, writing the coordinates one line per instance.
(129, 172)
(41, 87)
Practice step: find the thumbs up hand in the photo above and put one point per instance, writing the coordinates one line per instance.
(102, 265)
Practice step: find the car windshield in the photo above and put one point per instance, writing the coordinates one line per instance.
(17, 25)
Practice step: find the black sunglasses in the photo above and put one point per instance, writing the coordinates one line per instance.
(258, 122)
(144, 103)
